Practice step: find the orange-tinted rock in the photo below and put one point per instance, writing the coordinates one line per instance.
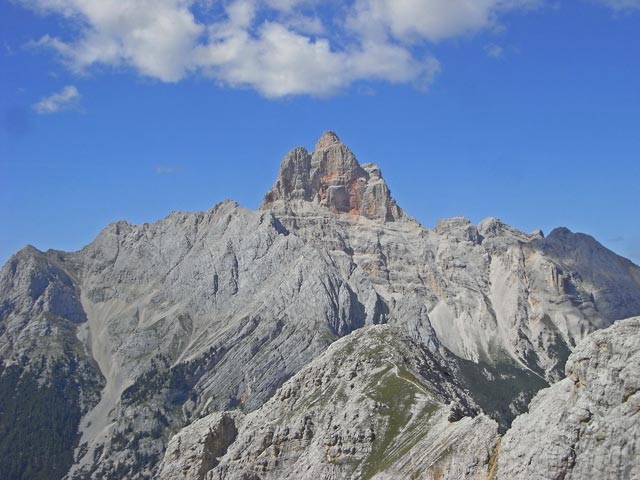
(332, 177)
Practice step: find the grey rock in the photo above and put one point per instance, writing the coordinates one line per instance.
(37, 296)
(488, 293)
(332, 177)
(197, 448)
(213, 310)
(587, 425)
(378, 405)
(375, 405)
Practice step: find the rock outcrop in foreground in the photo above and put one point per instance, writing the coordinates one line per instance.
(430, 341)
(587, 425)
(376, 405)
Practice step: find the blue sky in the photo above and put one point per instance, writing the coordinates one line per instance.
(524, 110)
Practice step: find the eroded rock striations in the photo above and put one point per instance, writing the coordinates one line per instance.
(152, 328)
(198, 447)
(374, 402)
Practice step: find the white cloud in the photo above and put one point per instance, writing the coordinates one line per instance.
(494, 51)
(156, 37)
(65, 99)
(620, 5)
(276, 62)
(277, 47)
(433, 20)
(165, 169)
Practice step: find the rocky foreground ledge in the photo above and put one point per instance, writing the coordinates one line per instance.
(586, 426)
(377, 405)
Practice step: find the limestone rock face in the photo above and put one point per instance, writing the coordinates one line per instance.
(204, 312)
(581, 260)
(486, 292)
(198, 447)
(332, 177)
(587, 425)
(40, 299)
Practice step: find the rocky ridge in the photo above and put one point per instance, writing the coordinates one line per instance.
(396, 423)
(375, 403)
(486, 292)
(160, 325)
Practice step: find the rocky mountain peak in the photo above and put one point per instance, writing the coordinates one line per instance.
(328, 139)
(332, 177)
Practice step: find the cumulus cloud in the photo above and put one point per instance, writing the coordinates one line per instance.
(434, 20)
(277, 47)
(156, 37)
(67, 98)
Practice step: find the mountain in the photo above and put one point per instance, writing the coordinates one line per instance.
(153, 331)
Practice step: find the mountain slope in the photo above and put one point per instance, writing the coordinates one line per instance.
(374, 402)
(487, 291)
(48, 381)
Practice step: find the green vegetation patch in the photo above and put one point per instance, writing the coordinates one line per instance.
(398, 392)
(502, 390)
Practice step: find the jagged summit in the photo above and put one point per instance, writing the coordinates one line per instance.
(327, 139)
(332, 177)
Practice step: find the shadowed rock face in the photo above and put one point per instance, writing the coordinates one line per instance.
(332, 177)
(196, 449)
